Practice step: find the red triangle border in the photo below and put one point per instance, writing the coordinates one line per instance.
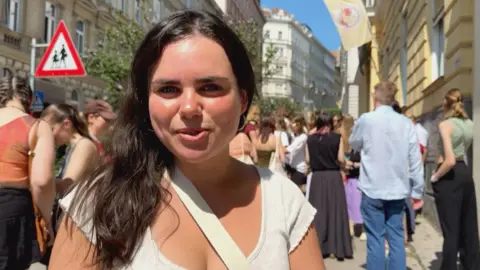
(80, 71)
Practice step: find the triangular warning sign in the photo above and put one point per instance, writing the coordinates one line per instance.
(61, 58)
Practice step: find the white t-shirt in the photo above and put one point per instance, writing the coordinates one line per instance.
(422, 134)
(283, 137)
(286, 217)
(297, 152)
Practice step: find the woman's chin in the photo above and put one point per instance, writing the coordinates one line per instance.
(193, 156)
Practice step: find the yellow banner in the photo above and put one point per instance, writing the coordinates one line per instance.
(351, 20)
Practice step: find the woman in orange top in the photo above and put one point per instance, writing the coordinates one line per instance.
(17, 226)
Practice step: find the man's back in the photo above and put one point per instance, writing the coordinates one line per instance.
(390, 155)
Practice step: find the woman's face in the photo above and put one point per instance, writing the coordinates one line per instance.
(194, 103)
(61, 131)
(336, 121)
(98, 123)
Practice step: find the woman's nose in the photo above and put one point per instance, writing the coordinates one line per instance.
(190, 104)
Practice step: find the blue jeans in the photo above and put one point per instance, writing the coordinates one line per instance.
(383, 219)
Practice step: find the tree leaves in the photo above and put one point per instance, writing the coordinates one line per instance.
(110, 60)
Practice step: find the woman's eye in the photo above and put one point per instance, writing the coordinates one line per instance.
(168, 89)
(210, 87)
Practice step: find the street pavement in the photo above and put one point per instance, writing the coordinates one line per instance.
(423, 254)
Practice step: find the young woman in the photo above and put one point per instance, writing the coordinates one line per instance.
(297, 153)
(454, 189)
(99, 116)
(327, 193)
(191, 82)
(81, 154)
(18, 248)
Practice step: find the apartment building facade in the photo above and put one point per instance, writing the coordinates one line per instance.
(22, 20)
(27, 19)
(426, 47)
(304, 69)
(242, 10)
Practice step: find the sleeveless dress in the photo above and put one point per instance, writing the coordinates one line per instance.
(327, 195)
(286, 217)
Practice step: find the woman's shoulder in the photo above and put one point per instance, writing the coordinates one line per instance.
(297, 213)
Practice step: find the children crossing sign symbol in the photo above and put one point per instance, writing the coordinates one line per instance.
(61, 58)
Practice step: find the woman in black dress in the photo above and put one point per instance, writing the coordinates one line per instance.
(327, 193)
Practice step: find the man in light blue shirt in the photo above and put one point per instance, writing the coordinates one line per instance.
(391, 171)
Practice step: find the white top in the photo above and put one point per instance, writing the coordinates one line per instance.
(297, 152)
(422, 134)
(283, 137)
(286, 217)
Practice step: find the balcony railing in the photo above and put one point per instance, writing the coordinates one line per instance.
(13, 39)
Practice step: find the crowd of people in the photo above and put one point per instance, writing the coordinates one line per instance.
(175, 188)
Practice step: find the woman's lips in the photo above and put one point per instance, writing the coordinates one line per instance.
(192, 134)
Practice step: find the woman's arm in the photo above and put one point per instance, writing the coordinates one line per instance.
(82, 162)
(307, 255)
(72, 250)
(41, 176)
(446, 130)
(341, 154)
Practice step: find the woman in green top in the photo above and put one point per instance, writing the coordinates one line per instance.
(454, 188)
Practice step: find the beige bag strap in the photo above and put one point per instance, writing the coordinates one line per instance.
(208, 222)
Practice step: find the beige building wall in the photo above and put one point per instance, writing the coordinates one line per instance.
(425, 88)
(426, 48)
(15, 45)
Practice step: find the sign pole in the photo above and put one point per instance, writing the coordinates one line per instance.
(32, 64)
(32, 61)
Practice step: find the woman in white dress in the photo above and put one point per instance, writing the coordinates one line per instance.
(192, 81)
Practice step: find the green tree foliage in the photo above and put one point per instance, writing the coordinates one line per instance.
(110, 60)
(251, 34)
(282, 106)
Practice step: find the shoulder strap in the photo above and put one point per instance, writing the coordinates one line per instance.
(208, 222)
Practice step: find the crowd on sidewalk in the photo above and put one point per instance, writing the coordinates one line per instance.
(189, 157)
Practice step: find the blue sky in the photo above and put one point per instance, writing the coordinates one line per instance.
(315, 14)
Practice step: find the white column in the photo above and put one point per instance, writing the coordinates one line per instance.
(476, 101)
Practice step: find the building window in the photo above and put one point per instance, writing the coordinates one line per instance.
(157, 8)
(50, 21)
(80, 36)
(6, 72)
(267, 34)
(404, 59)
(280, 35)
(279, 70)
(438, 50)
(138, 12)
(369, 3)
(280, 52)
(12, 14)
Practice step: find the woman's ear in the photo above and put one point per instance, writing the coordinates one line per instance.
(244, 100)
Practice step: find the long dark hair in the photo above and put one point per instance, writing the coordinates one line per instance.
(61, 112)
(125, 195)
(266, 128)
